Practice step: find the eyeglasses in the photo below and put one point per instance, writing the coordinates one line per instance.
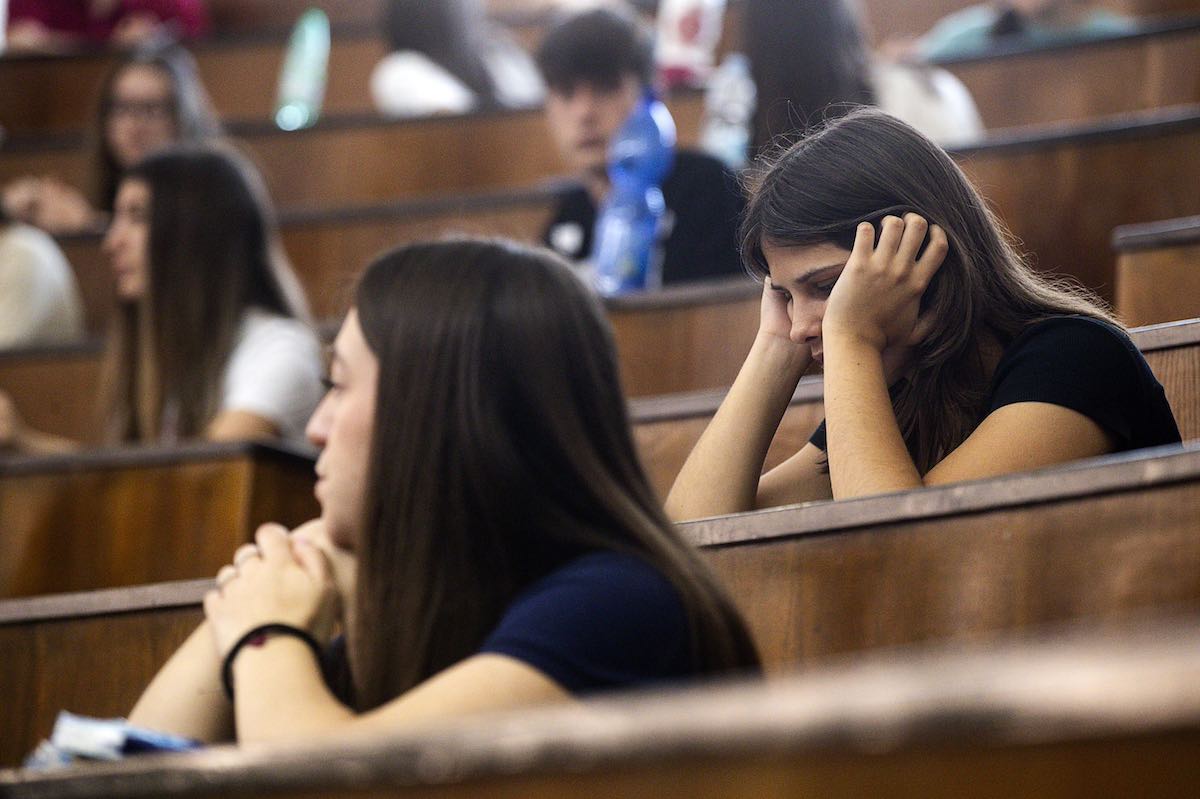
(142, 109)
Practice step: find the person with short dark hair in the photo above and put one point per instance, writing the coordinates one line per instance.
(597, 65)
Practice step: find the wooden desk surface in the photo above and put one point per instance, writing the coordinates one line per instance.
(1158, 271)
(112, 518)
(1153, 68)
(348, 160)
(1081, 714)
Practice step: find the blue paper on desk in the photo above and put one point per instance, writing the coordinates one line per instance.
(84, 738)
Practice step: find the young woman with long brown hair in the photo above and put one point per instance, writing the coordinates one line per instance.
(210, 338)
(946, 357)
(487, 540)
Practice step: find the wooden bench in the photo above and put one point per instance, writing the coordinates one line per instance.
(121, 636)
(1062, 189)
(1158, 271)
(355, 160)
(125, 517)
(681, 338)
(1153, 68)
(1082, 714)
(329, 248)
(903, 19)
(58, 94)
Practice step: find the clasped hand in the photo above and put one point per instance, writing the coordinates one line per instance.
(877, 297)
(278, 579)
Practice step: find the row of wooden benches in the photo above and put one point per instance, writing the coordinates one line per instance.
(1151, 68)
(1061, 190)
(1098, 541)
(113, 518)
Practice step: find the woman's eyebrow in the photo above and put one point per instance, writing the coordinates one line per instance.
(808, 276)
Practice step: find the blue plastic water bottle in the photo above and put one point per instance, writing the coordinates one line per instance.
(626, 256)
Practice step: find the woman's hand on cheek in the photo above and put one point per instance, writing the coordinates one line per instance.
(278, 583)
(877, 297)
(774, 316)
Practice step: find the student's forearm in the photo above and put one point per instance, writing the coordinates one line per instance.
(867, 454)
(721, 474)
(186, 697)
(280, 695)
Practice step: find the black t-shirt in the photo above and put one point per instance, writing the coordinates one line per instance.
(602, 621)
(704, 205)
(1086, 365)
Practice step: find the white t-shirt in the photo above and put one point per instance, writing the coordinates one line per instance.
(274, 372)
(930, 99)
(39, 300)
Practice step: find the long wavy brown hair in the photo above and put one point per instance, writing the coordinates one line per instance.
(866, 165)
(213, 253)
(501, 450)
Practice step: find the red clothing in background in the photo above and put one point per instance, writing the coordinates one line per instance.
(74, 17)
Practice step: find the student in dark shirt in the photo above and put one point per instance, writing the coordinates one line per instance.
(945, 356)
(487, 540)
(596, 65)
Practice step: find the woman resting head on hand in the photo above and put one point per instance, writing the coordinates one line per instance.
(945, 356)
(477, 461)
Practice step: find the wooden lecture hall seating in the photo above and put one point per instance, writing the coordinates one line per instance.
(1155, 67)
(1061, 189)
(104, 519)
(355, 160)
(1035, 634)
(1158, 271)
(1099, 541)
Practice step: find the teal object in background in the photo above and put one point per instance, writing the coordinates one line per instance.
(305, 65)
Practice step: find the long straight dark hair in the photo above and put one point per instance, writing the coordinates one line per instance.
(501, 449)
(809, 63)
(213, 253)
(195, 120)
(866, 165)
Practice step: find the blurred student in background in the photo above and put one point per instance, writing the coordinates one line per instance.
(151, 99)
(979, 28)
(810, 63)
(447, 58)
(39, 300)
(210, 339)
(597, 64)
(60, 26)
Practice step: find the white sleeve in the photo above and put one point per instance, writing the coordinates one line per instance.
(39, 303)
(930, 99)
(275, 372)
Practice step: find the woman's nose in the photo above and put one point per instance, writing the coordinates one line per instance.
(806, 322)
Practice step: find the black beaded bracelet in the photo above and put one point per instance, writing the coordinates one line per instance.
(260, 632)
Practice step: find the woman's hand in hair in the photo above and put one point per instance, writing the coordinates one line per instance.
(282, 582)
(877, 298)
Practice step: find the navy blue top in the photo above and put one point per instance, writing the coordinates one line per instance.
(602, 621)
(1086, 365)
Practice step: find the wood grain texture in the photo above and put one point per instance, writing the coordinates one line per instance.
(96, 666)
(1062, 195)
(1083, 82)
(100, 520)
(346, 161)
(328, 251)
(1085, 713)
(1158, 285)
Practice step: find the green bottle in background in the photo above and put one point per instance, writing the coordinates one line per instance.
(302, 82)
